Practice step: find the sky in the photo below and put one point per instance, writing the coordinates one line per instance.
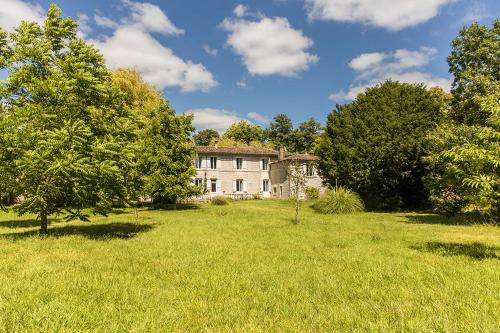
(226, 61)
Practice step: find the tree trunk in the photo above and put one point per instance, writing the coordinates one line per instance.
(43, 222)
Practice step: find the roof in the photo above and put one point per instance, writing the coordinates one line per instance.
(299, 157)
(236, 150)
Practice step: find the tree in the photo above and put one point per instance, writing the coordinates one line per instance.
(244, 132)
(280, 131)
(206, 137)
(297, 179)
(465, 158)
(474, 61)
(163, 150)
(307, 134)
(375, 144)
(67, 140)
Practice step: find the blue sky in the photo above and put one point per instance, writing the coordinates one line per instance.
(230, 60)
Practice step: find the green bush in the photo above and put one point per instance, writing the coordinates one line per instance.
(219, 201)
(312, 193)
(339, 201)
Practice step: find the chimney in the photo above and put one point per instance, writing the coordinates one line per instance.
(281, 153)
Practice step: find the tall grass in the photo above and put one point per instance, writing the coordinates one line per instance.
(339, 201)
(219, 200)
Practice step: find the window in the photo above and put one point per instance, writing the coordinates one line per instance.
(309, 170)
(274, 190)
(265, 164)
(198, 182)
(265, 185)
(239, 163)
(199, 161)
(213, 162)
(239, 185)
(213, 185)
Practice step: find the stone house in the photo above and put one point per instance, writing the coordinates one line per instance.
(238, 172)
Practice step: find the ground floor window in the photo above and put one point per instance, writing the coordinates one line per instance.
(265, 185)
(213, 185)
(274, 189)
(239, 185)
(198, 182)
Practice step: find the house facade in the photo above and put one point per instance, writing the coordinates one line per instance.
(248, 172)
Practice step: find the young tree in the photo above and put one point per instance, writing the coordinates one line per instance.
(206, 137)
(67, 140)
(296, 175)
(375, 144)
(244, 132)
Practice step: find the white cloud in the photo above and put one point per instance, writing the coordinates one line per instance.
(269, 46)
(104, 21)
(402, 65)
(12, 12)
(210, 51)
(131, 45)
(216, 119)
(83, 25)
(149, 17)
(390, 14)
(242, 83)
(258, 117)
(240, 10)
(220, 119)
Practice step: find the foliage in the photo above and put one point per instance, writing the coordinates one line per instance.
(175, 265)
(206, 137)
(464, 164)
(312, 193)
(474, 61)
(282, 134)
(228, 142)
(339, 201)
(68, 140)
(244, 132)
(163, 150)
(219, 200)
(375, 144)
(280, 131)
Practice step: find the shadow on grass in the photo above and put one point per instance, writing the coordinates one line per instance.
(178, 206)
(91, 231)
(460, 219)
(30, 223)
(476, 251)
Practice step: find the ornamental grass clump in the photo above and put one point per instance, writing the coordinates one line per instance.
(339, 201)
(219, 201)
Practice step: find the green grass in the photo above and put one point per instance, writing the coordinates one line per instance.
(246, 267)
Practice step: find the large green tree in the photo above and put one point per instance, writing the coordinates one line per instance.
(464, 164)
(244, 132)
(206, 137)
(375, 144)
(280, 132)
(67, 140)
(163, 151)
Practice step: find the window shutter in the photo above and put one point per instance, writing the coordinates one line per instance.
(219, 186)
(261, 186)
(234, 185)
(244, 185)
(244, 163)
(234, 162)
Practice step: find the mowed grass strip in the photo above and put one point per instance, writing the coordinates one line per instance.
(246, 267)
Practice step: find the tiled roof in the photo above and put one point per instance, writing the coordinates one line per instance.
(301, 157)
(236, 150)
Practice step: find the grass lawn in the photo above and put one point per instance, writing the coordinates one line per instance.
(245, 267)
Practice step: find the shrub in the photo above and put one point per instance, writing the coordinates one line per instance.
(339, 201)
(312, 193)
(219, 201)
